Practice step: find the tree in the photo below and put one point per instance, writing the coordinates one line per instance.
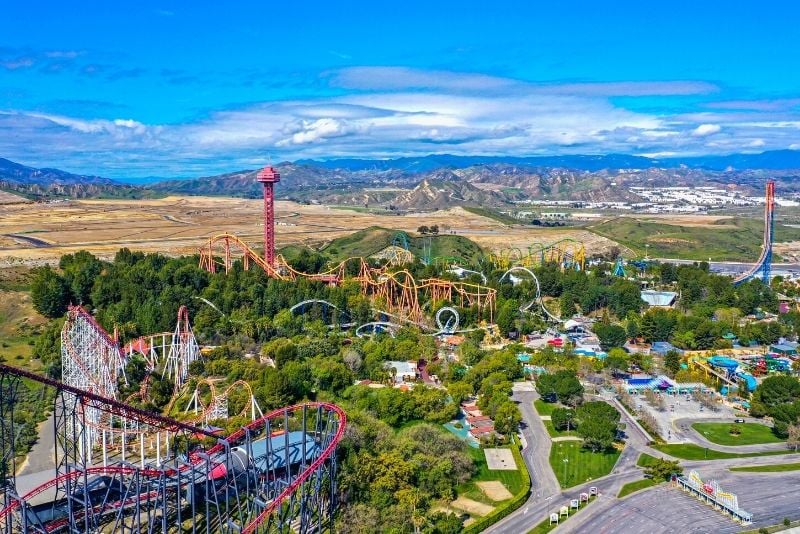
(459, 391)
(49, 292)
(632, 329)
(661, 469)
(80, 272)
(793, 439)
(507, 418)
(568, 388)
(610, 335)
(352, 359)
(563, 419)
(672, 362)
(506, 317)
(778, 389)
(423, 230)
(563, 385)
(658, 324)
(597, 424)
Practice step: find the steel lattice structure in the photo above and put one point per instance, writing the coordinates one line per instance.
(567, 253)
(183, 350)
(277, 474)
(398, 292)
(91, 361)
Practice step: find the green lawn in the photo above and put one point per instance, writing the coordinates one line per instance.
(725, 239)
(544, 408)
(690, 451)
(630, 487)
(646, 460)
(512, 480)
(557, 433)
(771, 468)
(752, 433)
(582, 465)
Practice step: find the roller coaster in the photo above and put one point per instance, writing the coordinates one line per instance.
(276, 474)
(512, 275)
(217, 407)
(172, 352)
(567, 253)
(763, 265)
(397, 292)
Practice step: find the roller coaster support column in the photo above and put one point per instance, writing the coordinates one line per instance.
(268, 176)
(9, 393)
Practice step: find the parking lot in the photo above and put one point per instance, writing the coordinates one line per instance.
(665, 509)
(678, 407)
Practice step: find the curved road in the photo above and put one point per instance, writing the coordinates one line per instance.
(546, 495)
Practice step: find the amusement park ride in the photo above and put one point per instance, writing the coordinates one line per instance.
(122, 469)
(763, 265)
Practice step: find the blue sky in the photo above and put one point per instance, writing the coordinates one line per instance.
(192, 88)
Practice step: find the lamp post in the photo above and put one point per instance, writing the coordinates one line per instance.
(566, 461)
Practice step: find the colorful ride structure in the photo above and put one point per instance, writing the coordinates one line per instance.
(91, 361)
(276, 474)
(396, 292)
(517, 275)
(724, 369)
(762, 267)
(567, 253)
(216, 407)
(711, 493)
(169, 352)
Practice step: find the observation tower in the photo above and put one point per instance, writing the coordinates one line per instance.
(268, 176)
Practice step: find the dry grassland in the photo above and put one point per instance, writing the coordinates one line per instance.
(40, 233)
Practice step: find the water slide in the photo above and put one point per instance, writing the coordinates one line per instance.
(734, 367)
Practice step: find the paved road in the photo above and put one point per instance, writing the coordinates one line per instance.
(656, 509)
(546, 494)
(683, 428)
(736, 266)
(41, 456)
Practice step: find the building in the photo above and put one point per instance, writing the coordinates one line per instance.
(403, 371)
(659, 299)
(663, 347)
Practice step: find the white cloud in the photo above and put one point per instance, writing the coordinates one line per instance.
(394, 111)
(305, 132)
(706, 129)
(404, 78)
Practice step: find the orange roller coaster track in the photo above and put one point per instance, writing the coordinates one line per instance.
(398, 291)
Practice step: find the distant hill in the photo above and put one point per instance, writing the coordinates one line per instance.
(375, 238)
(775, 160)
(33, 183)
(440, 180)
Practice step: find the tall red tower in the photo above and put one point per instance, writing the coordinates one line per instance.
(269, 176)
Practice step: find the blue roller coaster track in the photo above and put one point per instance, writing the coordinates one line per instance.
(762, 268)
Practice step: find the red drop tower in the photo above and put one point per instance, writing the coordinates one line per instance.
(269, 176)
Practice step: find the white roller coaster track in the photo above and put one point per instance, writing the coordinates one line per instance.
(538, 299)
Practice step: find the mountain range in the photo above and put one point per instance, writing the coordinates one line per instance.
(437, 181)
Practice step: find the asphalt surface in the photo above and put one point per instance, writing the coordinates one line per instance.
(41, 456)
(546, 494)
(683, 428)
(667, 509)
(768, 496)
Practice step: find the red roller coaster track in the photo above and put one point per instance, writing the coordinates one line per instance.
(304, 489)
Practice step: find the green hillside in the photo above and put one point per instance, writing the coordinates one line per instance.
(734, 239)
(373, 239)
